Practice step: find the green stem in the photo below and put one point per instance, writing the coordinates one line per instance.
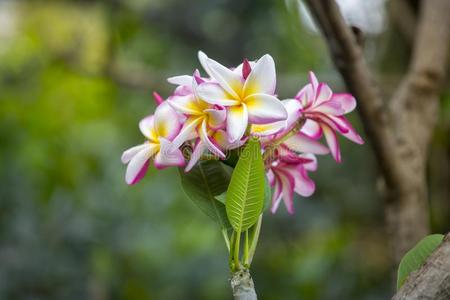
(237, 264)
(270, 149)
(225, 237)
(231, 256)
(254, 239)
(246, 264)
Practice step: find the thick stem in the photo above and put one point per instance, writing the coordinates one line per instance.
(242, 285)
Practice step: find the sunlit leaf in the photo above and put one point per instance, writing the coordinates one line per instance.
(416, 257)
(245, 195)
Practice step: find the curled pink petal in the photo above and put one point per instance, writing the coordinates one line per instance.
(158, 98)
(246, 69)
(331, 138)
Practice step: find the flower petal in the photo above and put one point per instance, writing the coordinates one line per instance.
(228, 80)
(287, 186)
(220, 138)
(139, 163)
(313, 80)
(237, 120)
(146, 125)
(199, 149)
(180, 80)
(262, 78)
(276, 196)
(302, 143)
(202, 57)
(128, 154)
(312, 129)
(351, 134)
(264, 108)
(185, 104)
(332, 142)
(203, 133)
(323, 93)
(188, 131)
(216, 118)
(169, 155)
(166, 121)
(347, 101)
(213, 93)
(304, 185)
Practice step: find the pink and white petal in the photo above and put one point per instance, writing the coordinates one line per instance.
(331, 138)
(166, 122)
(287, 186)
(139, 163)
(199, 149)
(311, 165)
(334, 122)
(312, 129)
(238, 69)
(304, 186)
(202, 57)
(185, 104)
(188, 131)
(262, 78)
(180, 80)
(270, 177)
(293, 108)
(128, 154)
(146, 125)
(323, 93)
(183, 90)
(213, 93)
(264, 108)
(330, 108)
(306, 96)
(216, 118)
(220, 138)
(302, 143)
(169, 155)
(313, 80)
(347, 101)
(268, 129)
(276, 196)
(158, 98)
(203, 133)
(237, 121)
(352, 135)
(228, 80)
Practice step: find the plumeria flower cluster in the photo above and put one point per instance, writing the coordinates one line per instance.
(212, 114)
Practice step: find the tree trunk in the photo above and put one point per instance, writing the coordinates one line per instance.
(242, 285)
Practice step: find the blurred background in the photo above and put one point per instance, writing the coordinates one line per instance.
(75, 79)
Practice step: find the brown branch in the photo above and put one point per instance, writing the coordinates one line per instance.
(348, 58)
(401, 130)
(404, 17)
(432, 280)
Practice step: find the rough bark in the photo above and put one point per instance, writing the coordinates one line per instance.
(400, 129)
(242, 285)
(432, 281)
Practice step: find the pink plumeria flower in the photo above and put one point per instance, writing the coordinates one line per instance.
(325, 112)
(288, 174)
(160, 129)
(205, 122)
(247, 92)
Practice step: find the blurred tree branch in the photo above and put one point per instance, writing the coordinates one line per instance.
(432, 281)
(400, 129)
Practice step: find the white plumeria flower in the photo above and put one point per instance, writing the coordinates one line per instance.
(247, 92)
(160, 129)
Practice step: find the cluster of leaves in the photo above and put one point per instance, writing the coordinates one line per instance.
(234, 198)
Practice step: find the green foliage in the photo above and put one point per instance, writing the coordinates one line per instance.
(415, 257)
(245, 195)
(202, 184)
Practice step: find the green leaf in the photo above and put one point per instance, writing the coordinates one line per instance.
(202, 184)
(416, 257)
(267, 195)
(245, 195)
